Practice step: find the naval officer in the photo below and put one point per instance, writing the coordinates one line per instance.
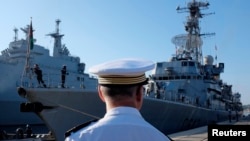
(121, 88)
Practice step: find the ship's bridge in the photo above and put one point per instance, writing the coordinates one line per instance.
(18, 49)
(176, 67)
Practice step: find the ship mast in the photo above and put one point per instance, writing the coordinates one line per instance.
(189, 45)
(16, 34)
(57, 40)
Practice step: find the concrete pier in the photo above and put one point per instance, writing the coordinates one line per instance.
(200, 134)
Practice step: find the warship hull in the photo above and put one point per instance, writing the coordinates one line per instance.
(9, 100)
(12, 116)
(63, 109)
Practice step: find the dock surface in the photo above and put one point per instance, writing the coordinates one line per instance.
(200, 134)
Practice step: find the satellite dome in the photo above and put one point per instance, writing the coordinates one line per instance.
(208, 60)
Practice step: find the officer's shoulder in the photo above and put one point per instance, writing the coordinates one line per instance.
(78, 127)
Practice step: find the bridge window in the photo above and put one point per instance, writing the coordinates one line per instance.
(191, 64)
(159, 65)
(165, 78)
(177, 77)
(184, 63)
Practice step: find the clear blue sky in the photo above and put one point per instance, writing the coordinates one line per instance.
(101, 30)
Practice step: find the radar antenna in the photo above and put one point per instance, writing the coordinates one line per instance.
(26, 31)
(57, 40)
(189, 45)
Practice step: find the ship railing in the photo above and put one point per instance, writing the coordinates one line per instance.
(50, 80)
(5, 61)
(174, 97)
(183, 99)
(54, 80)
(178, 77)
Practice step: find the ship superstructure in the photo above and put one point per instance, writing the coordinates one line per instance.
(188, 77)
(14, 72)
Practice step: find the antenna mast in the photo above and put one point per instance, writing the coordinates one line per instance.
(16, 34)
(57, 40)
(189, 46)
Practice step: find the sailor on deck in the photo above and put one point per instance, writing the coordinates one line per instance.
(63, 75)
(121, 88)
(39, 75)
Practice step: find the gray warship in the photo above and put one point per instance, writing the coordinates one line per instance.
(12, 64)
(183, 93)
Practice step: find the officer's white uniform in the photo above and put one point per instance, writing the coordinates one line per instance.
(120, 123)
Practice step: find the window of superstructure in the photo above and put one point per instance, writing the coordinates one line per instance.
(199, 77)
(165, 78)
(159, 65)
(177, 77)
(184, 63)
(181, 91)
(191, 64)
(82, 79)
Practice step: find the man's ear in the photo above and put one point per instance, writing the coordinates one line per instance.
(139, 93)
(139, 97)
(100, 93)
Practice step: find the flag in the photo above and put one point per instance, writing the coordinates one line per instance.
(31, 40)
(216, 52)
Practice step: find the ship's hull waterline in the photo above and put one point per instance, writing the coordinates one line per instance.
(12, 116)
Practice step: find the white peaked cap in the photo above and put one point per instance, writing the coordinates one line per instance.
(122, 71)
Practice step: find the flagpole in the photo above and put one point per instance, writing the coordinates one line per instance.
(216, 54)
(29, 47)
